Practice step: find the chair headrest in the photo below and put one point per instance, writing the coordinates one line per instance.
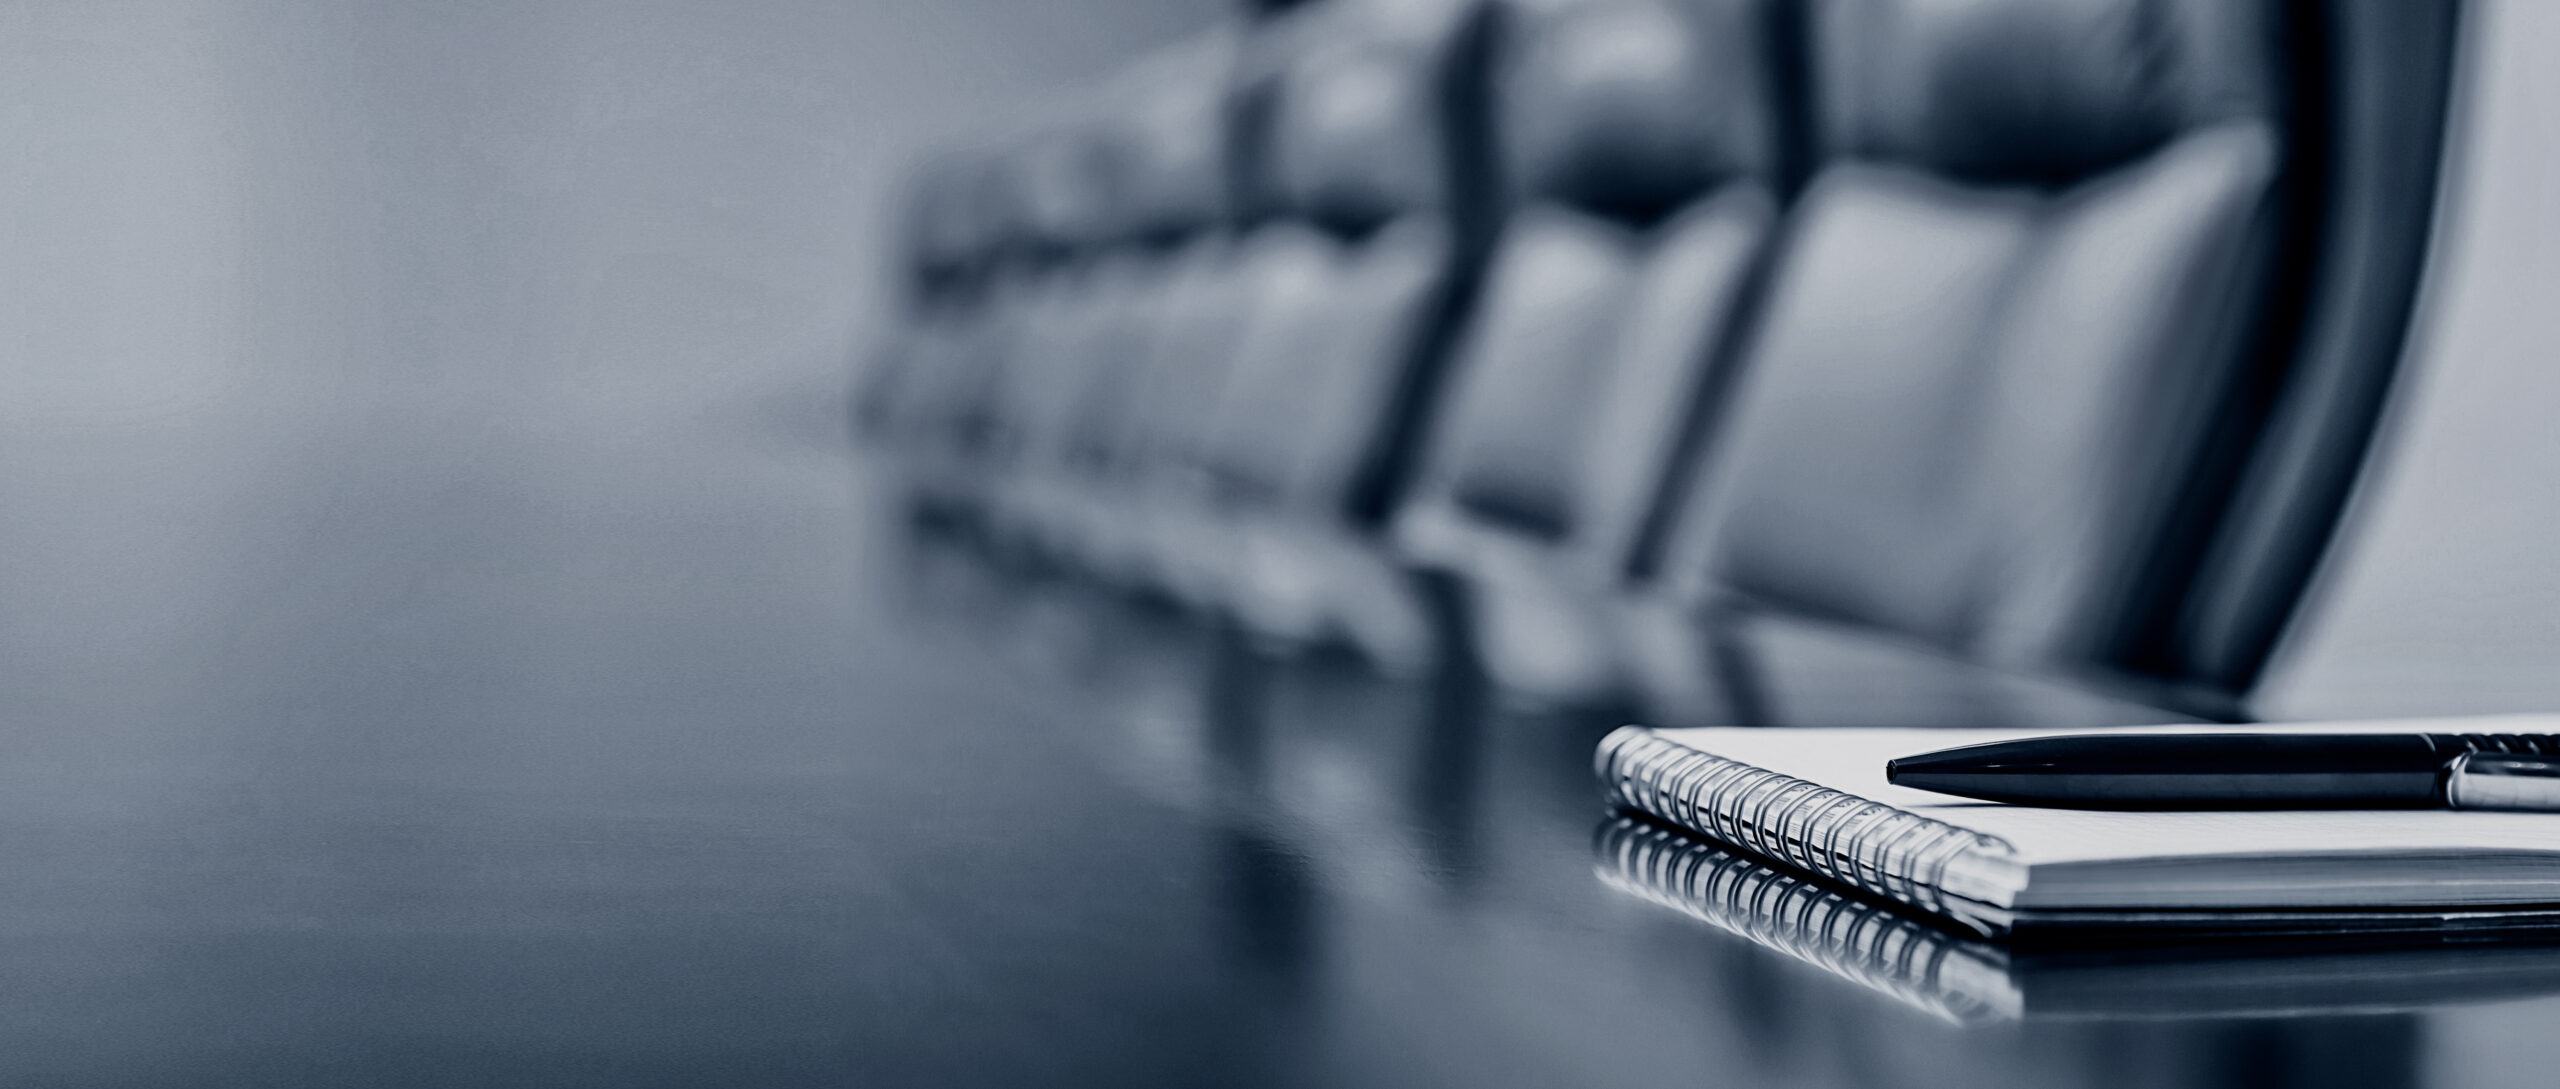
(1170, 124)
(1354, 138)
(1069, 182)
(1633, 107)
(1356, 109)
(2030, 91)
(946, 222)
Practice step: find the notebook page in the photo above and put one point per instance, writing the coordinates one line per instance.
(1852, 761)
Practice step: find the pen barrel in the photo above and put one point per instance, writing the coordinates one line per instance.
(2254, 770)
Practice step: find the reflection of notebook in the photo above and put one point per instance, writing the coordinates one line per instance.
(1817, 801)
(1970, 980)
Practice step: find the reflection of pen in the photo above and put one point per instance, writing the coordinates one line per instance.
(2249, 771)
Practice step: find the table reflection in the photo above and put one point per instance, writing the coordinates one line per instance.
(1968, 981)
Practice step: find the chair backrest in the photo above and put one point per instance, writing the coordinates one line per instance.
(1364, 184)
(921, 383)
(1071, 180)
(949, 243)
(2377, 97)
(1640, 141)
(2019, 299)
(1169, 115)
(1058, 304)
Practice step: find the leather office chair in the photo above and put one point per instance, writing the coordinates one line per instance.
(1142, 427)
(984, 389)
(1059, 299)
(2038, 267)
(935, 265)
(1188, 300)
(924, 388)
(1642, 142)
(1171, 125)
(2374, 102)
(1368, 184)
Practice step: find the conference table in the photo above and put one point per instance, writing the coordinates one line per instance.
(570, 742)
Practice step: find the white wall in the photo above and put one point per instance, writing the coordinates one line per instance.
(254, 251)
(348, 193)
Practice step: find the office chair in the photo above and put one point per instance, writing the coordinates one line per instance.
(2038, 268)
(1374, 220)
(1642, 145)
(1172, 247)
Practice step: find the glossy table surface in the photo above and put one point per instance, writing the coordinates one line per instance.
(691, 759)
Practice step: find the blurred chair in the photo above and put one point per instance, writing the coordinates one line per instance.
(1641, 138)
(2048, 334)
(1172, 316)
(2374, 92)
(1363, 171)
(1048, 318)
(2034, 275)
(927, 398)
(947, 255)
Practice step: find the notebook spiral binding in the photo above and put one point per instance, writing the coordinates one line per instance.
(1868, 845)
(1857, 941)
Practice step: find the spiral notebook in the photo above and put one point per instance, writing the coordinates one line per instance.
(1817, 801)
(1971, 980)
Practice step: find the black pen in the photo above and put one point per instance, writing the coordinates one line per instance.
(2248, 771)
